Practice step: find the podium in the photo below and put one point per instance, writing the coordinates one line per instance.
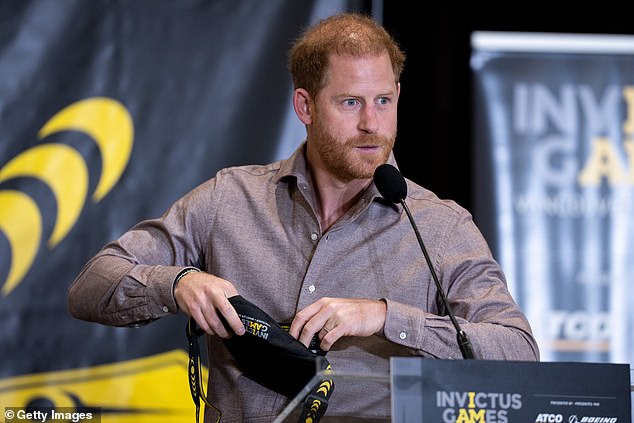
(483, 391)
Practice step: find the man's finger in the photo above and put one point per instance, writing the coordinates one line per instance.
(228, 316)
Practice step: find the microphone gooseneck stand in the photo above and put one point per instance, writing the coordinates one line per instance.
(393, 188)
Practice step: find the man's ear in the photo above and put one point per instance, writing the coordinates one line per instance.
(303, 106)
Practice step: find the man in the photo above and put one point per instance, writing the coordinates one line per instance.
(309, 239)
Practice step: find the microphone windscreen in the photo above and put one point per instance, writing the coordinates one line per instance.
(390, 183)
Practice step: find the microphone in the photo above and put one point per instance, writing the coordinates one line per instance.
(393, 188)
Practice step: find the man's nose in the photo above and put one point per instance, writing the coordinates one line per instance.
(369, 121)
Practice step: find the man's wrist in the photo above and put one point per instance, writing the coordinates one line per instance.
(181, 274)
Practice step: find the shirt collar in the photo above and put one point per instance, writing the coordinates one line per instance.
(295, 165)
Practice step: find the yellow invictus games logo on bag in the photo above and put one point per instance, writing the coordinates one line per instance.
(255, 326)
(63, 169)
(147, 390)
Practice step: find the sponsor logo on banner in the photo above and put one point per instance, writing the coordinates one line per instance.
(578, 330)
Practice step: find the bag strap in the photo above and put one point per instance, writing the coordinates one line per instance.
(315, 403)
(194, 370)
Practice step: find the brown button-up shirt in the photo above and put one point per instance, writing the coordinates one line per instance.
(256, 227)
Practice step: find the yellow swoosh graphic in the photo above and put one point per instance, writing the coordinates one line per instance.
(108, 122)
(152, 389)
(22, 224)
(64, 170)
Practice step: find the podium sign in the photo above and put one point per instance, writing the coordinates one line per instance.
(482, 391)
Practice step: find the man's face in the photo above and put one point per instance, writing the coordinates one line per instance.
(354, 117)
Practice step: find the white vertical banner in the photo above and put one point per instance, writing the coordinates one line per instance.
(554, 182)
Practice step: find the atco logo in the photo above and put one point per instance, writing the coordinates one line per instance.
(549, 418)
(63, 169)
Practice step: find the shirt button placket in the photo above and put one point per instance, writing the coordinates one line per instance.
(315, 237)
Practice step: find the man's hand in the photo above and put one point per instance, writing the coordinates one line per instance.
(204, 297)
(332, 318)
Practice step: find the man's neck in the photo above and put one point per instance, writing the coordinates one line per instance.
(334, 197)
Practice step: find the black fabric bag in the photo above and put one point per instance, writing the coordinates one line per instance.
(268, 354)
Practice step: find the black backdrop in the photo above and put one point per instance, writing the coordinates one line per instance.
(434, 142)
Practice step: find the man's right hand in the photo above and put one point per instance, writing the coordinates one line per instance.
(205, 298)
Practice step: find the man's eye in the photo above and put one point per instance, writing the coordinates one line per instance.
(383, 100)
(350, 102)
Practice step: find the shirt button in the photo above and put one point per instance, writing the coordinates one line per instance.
(402, 335)
(166, 309)
(314, 236)
(311, 288)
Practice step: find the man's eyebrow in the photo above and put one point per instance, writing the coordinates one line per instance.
(385, 94)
